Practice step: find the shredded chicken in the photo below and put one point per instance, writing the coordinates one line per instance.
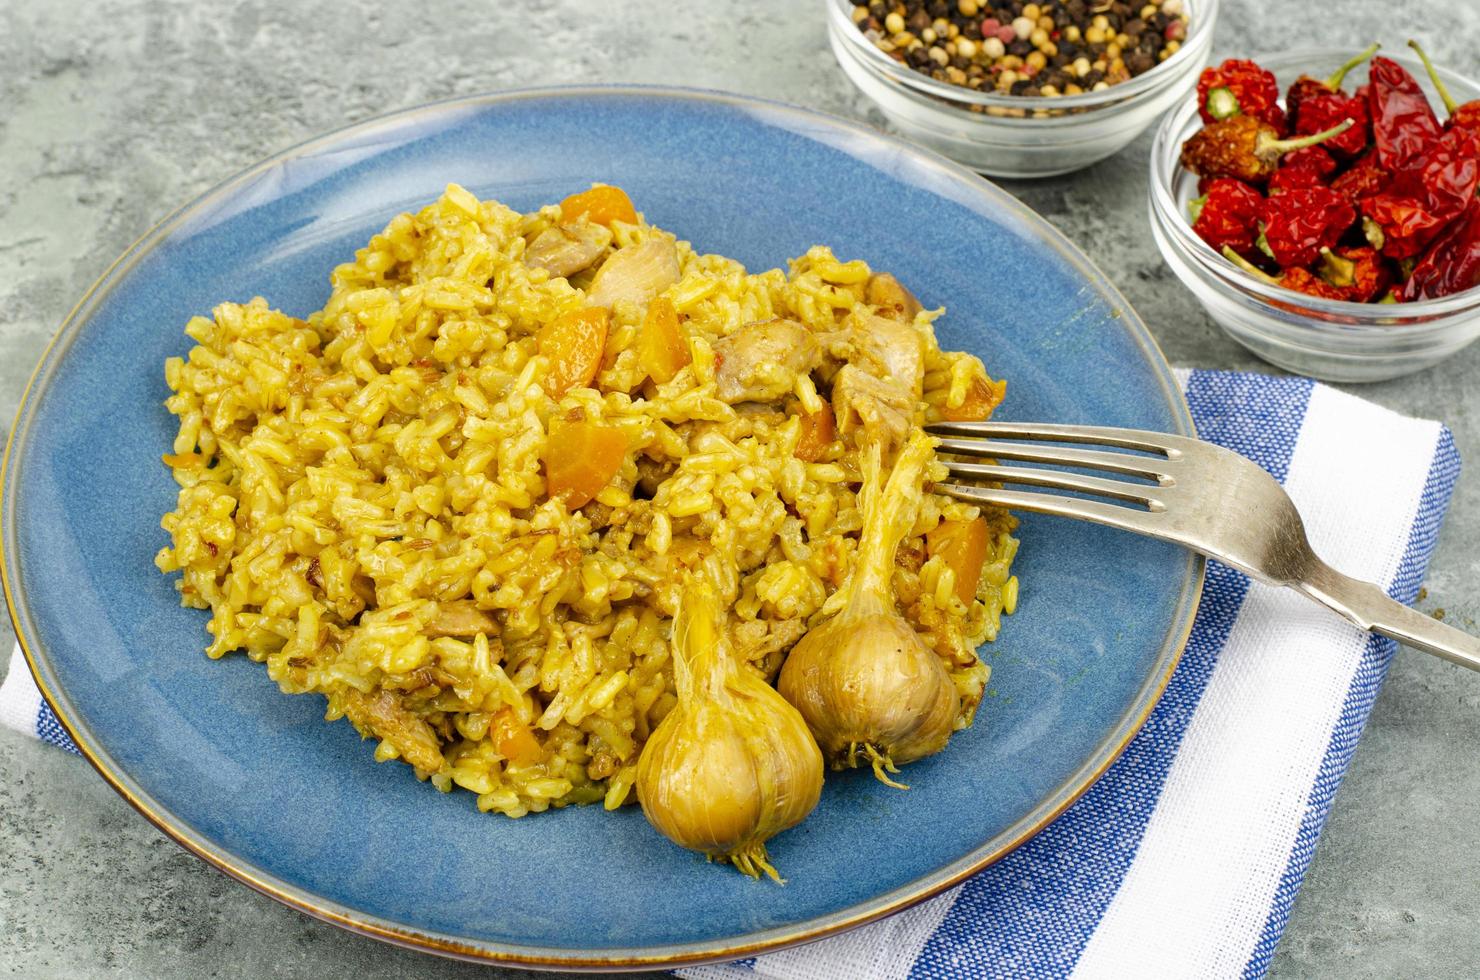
(385, 716)
(460, 618)
(882, 408)
(564, 250)
(878, 386)
(891, 350)
(636, 273)
(762, 361)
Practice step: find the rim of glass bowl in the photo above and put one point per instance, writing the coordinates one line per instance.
(1335, 314)
(1202, 16)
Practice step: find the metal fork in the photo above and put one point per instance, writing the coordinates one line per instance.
(1204, 497)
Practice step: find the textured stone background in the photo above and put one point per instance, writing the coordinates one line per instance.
(113, 113)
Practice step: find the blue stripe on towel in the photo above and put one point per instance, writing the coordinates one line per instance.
(48, 728)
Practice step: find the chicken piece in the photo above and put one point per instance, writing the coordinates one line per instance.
(891, 298)
(762, 361)
(636, 273)
(882, 407)
(889, 349)
(564, 250)
(385, 716)
(460, 618)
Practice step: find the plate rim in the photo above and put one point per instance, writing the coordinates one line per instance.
(668, 956)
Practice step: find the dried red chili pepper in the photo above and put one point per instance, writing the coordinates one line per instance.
(1452, 263)
(1295, 179)
(1228, 215)
(1307, 282)
(1302, 168)
(1403, 122)
(1362, 179)
(1312, 157)
(1244, 148)
(1320, 112)
(1250, 91)
(1360, 273)
(1298, 279)
(1299, 223)
(1306, 87)
(1466, 116)
(1426, 194)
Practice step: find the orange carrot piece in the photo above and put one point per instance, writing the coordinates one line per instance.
(602, 204)
(514, 740)
(981, 399)
(661, 348)
(818, 432)
(574, 344)
(183, 460)
(581, 458)
(963, 547)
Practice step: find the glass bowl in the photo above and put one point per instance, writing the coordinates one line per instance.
(1328, 339)
(1013, 135)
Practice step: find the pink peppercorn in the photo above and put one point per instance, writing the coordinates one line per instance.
(989, 26)
(1006, 34)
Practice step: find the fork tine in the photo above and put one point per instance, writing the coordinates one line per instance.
(1140, 493)
(1150, 467)
(1097, 511)
(1156, 442)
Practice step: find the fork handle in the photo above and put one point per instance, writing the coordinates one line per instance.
(1374, 610)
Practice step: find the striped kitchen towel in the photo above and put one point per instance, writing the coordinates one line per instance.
(1184, 859)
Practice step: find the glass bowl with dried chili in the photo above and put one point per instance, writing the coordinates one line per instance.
(1321, 204)
(1017, 130)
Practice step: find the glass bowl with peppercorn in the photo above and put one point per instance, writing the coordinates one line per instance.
(1321, 204)
(1023, 89)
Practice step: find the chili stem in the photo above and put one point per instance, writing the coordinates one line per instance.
(1336, 270)
(1334, 82)
(1195, 207)
(1373, 232)
(1247, 266)
(1428, 66)
(1223, 104)
(1273, 149)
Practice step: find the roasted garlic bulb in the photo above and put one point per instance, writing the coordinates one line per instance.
(869, 688)
(732, 764)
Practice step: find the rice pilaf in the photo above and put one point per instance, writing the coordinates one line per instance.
(366, 500)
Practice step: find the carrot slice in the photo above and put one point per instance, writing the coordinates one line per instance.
(981, 399)
(661, 348)
(963, 547)
(581, 458)
(819, 429)
(602, 204)
(513, 739)
(574, 344)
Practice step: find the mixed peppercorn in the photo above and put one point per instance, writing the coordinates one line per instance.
(1364, 197)
(1012, 47)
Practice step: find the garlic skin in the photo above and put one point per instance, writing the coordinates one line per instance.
(732, 764)
(869, 688)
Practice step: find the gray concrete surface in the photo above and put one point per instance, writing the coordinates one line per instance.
(113, 112)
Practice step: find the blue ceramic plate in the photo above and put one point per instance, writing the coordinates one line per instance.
(256, 782)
